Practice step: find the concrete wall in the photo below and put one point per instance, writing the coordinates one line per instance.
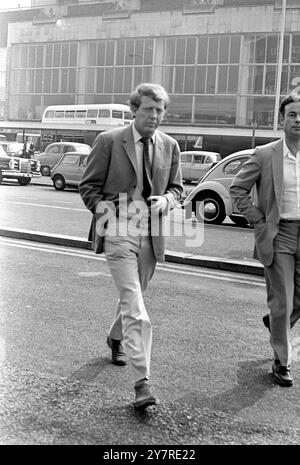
(3, 58)
(156, 24)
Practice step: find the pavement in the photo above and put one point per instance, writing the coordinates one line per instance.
(58, 387)
(180, 257)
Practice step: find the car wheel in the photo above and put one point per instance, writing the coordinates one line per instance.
(209, 207)
(24, 181)
(45, 170)
(59, 183)
(1, 177)
(239, 220)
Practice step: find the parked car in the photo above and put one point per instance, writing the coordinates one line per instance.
(15, 149)
(14, 168)
(210, 200)
(195, 164)
(55, 151)
(68, 170)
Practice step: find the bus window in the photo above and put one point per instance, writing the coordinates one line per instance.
(49, 114)
(70, 113)
(92, 113)
(59, 114)
(104, 114)
(117, 114)
(80, 113)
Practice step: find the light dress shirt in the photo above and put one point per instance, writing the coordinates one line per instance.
(290, 198)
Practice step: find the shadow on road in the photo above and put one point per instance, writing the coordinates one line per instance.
(253, 382)
(89, 372)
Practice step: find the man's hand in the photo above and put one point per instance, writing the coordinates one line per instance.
(159, 203)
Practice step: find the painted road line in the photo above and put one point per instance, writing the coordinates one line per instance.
(178, 269)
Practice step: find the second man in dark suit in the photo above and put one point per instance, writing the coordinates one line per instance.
(274, 169)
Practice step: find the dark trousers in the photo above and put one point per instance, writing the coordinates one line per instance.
(283, 289)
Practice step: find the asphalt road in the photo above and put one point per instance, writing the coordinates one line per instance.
(39, 207)
(210, 363)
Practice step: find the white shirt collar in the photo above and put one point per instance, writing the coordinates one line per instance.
(286, 151)
(137, 136)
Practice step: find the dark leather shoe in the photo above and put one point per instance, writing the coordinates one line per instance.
(143, 396)
(118, 356)
(266, 320)
(281, 374)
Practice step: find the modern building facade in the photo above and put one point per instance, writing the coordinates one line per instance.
(218, 59)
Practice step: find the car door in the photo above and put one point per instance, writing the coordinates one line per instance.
(82, 165)
(197, 167)
(230, 170)
(186, 165)
(71, 168)
(52, 155)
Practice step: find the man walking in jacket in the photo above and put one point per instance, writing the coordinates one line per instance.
(275, 171)
(132, 179)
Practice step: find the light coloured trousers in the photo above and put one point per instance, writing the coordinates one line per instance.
(283, 289)
(132, 263)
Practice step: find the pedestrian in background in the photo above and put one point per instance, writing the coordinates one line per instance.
(135, 173)
(28, 148)
(275, 215)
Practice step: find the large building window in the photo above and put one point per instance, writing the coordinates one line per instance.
(38, 72)
(205, 57)
(219, 79)
(118, 65)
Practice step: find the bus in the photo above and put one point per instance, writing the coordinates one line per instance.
(82, 122)
(110, 115)
(224, 140)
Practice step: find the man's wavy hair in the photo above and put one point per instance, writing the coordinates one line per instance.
(292, 97)
(154, 91)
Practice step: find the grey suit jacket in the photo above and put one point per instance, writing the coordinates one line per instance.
(264, 170)
(112, 169)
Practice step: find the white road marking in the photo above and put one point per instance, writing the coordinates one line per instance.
(171, 268)
(92, 274)
(49, 206)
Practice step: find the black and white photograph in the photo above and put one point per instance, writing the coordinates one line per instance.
(149, 228)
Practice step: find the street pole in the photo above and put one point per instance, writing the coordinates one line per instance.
(254, 127)
(279, 69)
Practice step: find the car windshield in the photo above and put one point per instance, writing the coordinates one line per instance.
(14, 148)
(84, 149)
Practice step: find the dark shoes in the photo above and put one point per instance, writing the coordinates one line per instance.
(143, 396)
(266, 320)
(118, 355)
(281, 374)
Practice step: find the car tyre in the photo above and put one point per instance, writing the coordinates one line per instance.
(59, 182)
(24, 181)
(45, 170)
(209, 207)
(1, 177)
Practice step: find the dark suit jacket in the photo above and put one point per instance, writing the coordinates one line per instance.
(112, 169)
(265, 171)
